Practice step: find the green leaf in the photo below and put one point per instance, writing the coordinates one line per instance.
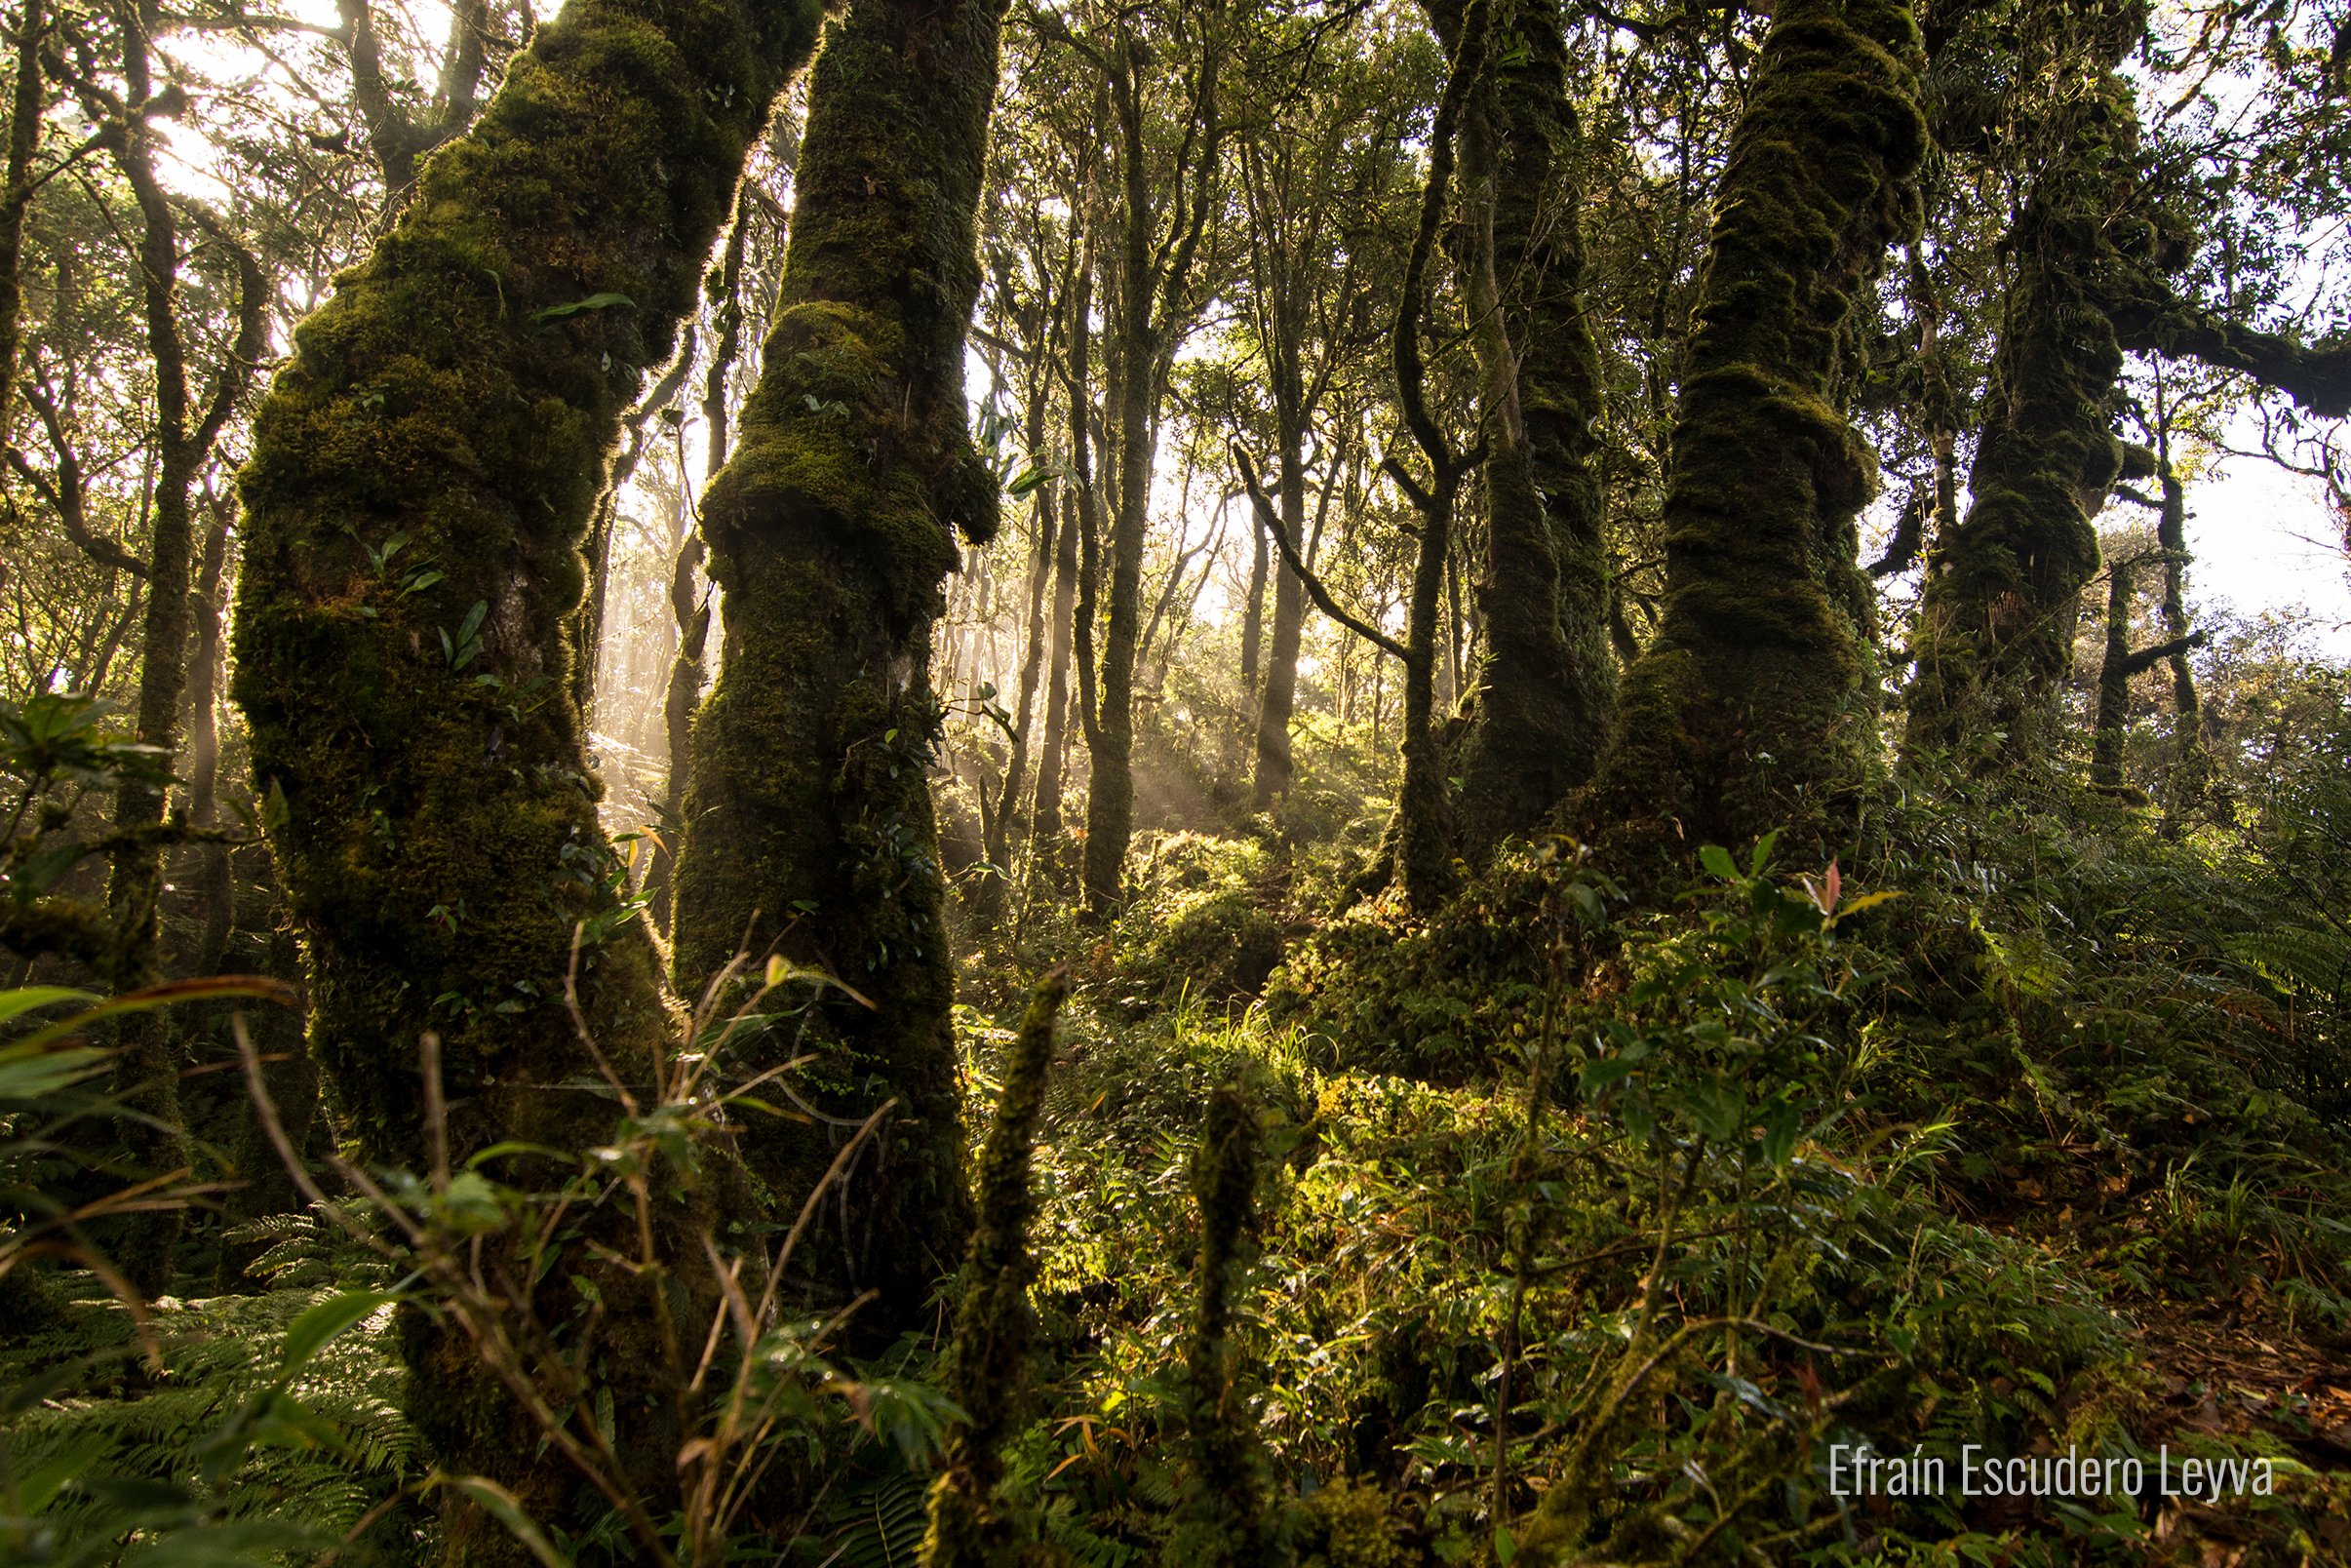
(600, 301)
(322, 1322)
(1780, 1125)
(28, 997)
(37, 1487)
(240, 1545)
(207, 988)
(31, 1074)
(275, 813)
(1505, 1545)
(1763, 853)
(504, 1507)
(1717, 860)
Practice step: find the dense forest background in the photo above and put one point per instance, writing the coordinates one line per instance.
(1343, 785)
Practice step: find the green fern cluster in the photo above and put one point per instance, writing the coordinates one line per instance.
(90, 1400)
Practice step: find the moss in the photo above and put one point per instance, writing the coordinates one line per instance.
(811, 829)
(993, 1327)
(1195, 924)
(421, 483)
(1750, 708)
(1222, 1517)
(1997, 618)
(1350, 1526)
(1549, 690)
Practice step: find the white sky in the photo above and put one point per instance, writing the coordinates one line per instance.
(2262, 540)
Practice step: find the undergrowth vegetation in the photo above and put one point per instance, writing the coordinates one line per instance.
(1567, 1226)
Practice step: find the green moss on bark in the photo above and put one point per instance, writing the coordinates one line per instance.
(1750, 708)
(1998, 614)
(1548, 690)
(420, 487)
(808, 809)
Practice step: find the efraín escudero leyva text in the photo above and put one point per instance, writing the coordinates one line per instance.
(1857, 1471)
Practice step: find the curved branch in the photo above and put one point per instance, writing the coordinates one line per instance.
(1314, 589)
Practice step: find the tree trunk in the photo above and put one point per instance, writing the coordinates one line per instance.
(146, 1071)
(16, 197)
(1549, 695)
(809, 819)
(689, 613)
(1044, 822)
(215, 889)
(1152, 281)
(1275, 770)
(421, 483)
(1746, 710)
(2114, 677)
(1997, 615)
(2191, 762)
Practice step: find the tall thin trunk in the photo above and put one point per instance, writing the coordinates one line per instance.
(16, 197)
(810, 830)
(1071, 641)
(690, 612)
(2191, 760)
(2114, 677)
(184, 433)
(1153, 283)
(215, 889)
(1275, 772)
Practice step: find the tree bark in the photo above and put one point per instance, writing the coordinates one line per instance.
(421, 482)
(1153, 283)
(1998, 613)
(1549, 694)
(809, 819)
(146, 1070)
(1748, 708)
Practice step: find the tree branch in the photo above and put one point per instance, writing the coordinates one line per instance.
(1271, 521)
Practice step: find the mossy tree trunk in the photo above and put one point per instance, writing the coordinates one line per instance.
(422, 484)
(2191, 762)
(1549, 690)
(27, 96)
(1997, 618)
(1423, 831)
(1749, 708)
(808, 809)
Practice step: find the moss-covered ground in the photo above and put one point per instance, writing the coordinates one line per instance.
(1594, 1233)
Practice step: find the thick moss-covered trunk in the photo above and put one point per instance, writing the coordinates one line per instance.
(1549, 691)
(421, 483)
(808, 809)
(1998, 614)
(1749, 707)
